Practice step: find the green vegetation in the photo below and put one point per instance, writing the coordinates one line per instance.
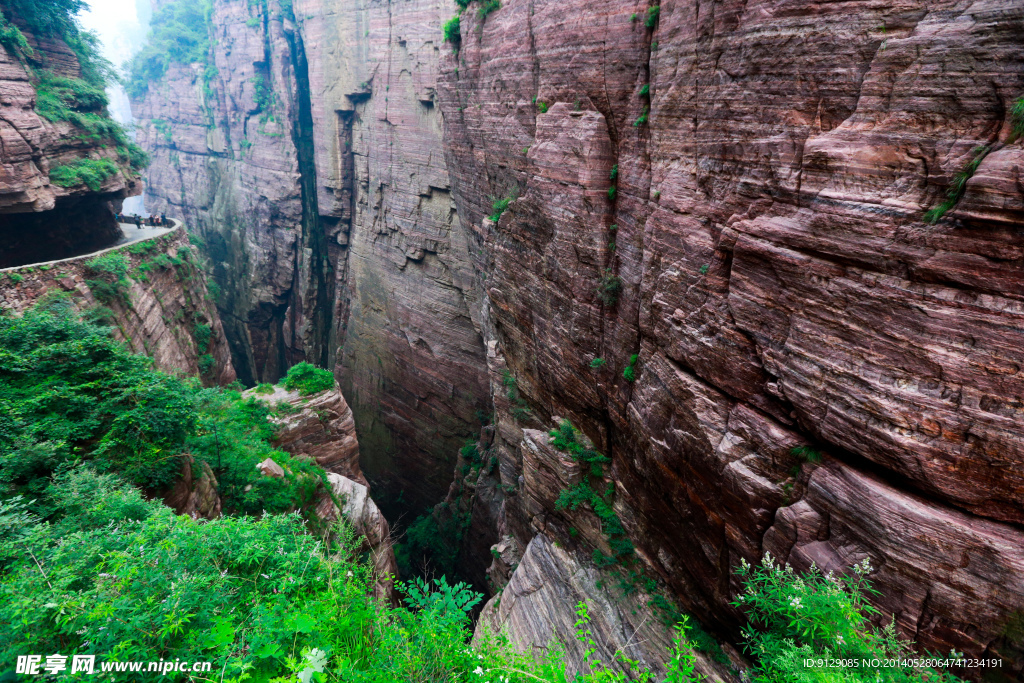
(202, 333)
(179, 34)
(796, 618)
(611, 192)
(15, 277)
(598, 363)
(111, 284)
(308, 379)
(488, 6)
(520, 410)
(630, 370)
(652, 16)
(264, 388)
(609, 288)
(806, 454)
(14, 40)
(452, 30)
(645, 90)
(252, 22)
(542, 107)
(704, 269)
(1017, 117)
(614, 173)
(642, 119)
(500, 204)
(89, 172)
(957, 187)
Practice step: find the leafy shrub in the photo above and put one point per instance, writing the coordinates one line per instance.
(542, 107)
(500, 205)
(796, 618)
(609, 288)
(112, 285)
(598, 363)
(452, 30)
(252, 22)
(630, 371)
(308, 379)
(15, 277)
(202, 333)
(488, 6)
(264, 389)
(611, 192)
(614, 172)
(704, 269)
(645, 90)
(89, 172)
(206, 363)
(806, 454)
(13, 39)
(652, 16)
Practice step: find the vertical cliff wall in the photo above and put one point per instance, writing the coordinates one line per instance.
(727, 199)
(756, 176)
(334, 238)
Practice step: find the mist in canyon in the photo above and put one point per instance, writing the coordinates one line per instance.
(615, 316)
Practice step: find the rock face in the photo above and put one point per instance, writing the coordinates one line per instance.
(334, 238)
(321, 428)
(733, 194)
(195, 494)
(369, 524)
(41, 220)
(166, 303)
(778, 285)
(539, 605)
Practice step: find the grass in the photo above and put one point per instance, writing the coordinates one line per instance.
(958, 187)
(542, 107)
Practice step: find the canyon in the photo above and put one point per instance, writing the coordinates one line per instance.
(764, 257)
(727, 198)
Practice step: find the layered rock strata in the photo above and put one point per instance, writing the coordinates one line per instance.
(732, 193)
(359, 191)
(41, 220)
(735, 195)
(320, 428)
(164, 302)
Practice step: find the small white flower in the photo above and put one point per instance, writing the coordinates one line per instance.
(479, 671)
(795, 603)
(839, 639)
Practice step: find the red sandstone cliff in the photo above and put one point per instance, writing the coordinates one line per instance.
(772, 164)
(40, 220)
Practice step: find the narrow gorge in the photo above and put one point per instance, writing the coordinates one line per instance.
(621, 300)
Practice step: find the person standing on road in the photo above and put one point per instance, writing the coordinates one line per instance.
(163, 219)
(138, 222)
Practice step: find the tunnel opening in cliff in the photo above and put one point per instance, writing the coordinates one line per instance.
(74, 227)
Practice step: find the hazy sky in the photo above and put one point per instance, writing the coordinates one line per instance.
(119, 26)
